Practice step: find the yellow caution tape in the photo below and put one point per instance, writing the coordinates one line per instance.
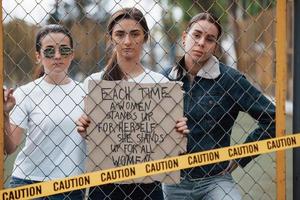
(150, 168)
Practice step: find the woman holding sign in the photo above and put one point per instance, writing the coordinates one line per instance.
(214, 96)
(127, 32)
(45, 109)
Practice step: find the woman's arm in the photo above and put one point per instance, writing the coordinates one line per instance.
(12, 136)
(253, 102)
(12, 133)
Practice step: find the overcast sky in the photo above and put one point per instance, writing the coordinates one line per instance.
(36, 11)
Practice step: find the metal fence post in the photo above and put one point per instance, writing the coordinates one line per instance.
(1, 104)
(280, 94)
(296, 101)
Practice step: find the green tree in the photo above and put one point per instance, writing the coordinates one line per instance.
(19, 52)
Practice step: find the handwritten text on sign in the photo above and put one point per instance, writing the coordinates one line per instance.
(133, 123)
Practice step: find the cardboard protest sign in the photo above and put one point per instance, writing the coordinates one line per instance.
(133, 123)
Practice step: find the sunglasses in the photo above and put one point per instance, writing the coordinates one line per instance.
(64, 51)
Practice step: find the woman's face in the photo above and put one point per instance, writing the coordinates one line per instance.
(200, 41)
(56, 53)
(128, 38)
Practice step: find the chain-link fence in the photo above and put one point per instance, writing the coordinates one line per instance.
(48, 112)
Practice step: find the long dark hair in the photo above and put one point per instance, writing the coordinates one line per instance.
(51, 28)
(112, 70)
(207, 17)
(45, 30)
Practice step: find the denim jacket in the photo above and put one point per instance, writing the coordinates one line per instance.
(212, 106)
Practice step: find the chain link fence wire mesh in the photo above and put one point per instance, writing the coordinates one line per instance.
(247, 44)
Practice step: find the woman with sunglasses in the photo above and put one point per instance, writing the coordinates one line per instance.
(45, 109)
(127, 32)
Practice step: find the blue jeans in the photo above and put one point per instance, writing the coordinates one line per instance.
(134, 191)
(210, 188)
(74, 195)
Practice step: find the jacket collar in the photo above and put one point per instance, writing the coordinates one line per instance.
(210, 70)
